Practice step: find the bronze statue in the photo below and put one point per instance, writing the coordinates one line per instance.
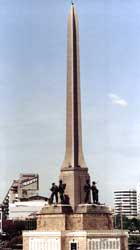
(87, 189)
(95, 192)
(54, 190)
(61, 190)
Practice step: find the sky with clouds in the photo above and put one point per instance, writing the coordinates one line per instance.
(33, 90)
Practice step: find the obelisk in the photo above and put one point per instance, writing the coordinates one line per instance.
(77, 225)
(74, 171)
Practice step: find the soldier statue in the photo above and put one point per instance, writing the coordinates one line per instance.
(95, 192)
(61, 190)
(54, 190)
(87, 189)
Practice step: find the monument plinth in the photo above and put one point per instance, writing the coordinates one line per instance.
(86, 217)
(75, 226)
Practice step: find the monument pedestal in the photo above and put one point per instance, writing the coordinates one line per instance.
(86, 217)
(89, 228)
(75, 180)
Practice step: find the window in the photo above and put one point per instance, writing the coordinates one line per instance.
(73, 246)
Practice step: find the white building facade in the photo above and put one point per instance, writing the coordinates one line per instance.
(125, 202)
(23, 188)
(23, 209)
(138, 199)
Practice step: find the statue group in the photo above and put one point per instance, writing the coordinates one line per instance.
(59, 192)
(91, 189)
(60, 189)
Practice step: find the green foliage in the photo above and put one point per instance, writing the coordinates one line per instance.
(13, 228)
(134, 239)
(127, 224)
(13, 231)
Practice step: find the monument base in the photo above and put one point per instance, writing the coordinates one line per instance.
(76, 240)
(87, 217)
(59, 230)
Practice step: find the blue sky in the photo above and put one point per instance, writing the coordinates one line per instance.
(33, 41)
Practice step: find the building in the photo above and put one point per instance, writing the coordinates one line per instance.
(126, 202)
(77, 225)
(22, 210)
(138, 199)
(21, 189)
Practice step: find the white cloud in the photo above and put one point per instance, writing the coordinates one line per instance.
(117, 100)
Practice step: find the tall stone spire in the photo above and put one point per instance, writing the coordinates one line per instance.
(74, 154)
(74, 172)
